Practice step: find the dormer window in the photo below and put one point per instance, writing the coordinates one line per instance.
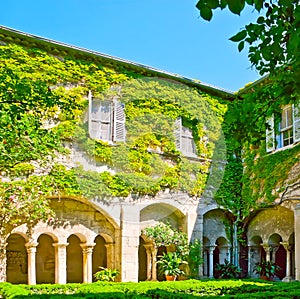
(106, 120)
(184, 139)
(288, 131)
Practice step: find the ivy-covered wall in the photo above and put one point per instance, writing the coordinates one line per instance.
(145, 164)
(231, 133)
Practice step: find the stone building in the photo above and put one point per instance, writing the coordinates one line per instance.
(101, 230)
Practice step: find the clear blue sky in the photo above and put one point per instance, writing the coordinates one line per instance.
(164, 34)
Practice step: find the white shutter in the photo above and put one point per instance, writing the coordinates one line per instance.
(105, 112)
(296, 122)
(119, 122)
(270, 134)
(177, 133)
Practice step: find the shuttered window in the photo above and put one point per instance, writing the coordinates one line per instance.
(288, 129)
(106, 120)
(184, 139)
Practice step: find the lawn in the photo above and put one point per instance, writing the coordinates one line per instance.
(157, 290)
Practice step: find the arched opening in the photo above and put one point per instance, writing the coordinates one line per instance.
(160, 251)
(142, 261)
(99, 255)
(45, 260)
(291, 252)
(278, 254)
(206, 246)
(16, 264)
(74, 260)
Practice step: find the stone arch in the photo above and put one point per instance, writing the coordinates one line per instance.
(277, 220)
(99, 255)
(278, 254)
(74, 259)
(45, 259)
(17, 261)
(162, 212)
(215, 223)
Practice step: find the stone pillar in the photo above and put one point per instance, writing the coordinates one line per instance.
(31, 252)
(130, 234)
(297, 241)
(287, 247)
(153, 264)
(253, 258)
(60, 263)
(87, 251)
(268, 250)
(110, 253)
(211, 261)
(149, 249)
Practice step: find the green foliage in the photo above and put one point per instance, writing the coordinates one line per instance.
(169, 264)
(164, 290)
(106, 274)
(227, 270)
(266, 268)
(163, 234)
(194, 258)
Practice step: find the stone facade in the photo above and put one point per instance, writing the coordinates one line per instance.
(88, 234)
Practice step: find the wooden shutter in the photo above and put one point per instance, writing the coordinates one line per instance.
(187, 144)
(119, 122)
(296, 122)
(177, 133)
(105, 120)
(270, 134)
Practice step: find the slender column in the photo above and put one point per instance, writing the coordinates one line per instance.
(31, 252)
(268, 250)
(288, 261)
(60, 262)
(153, 264)
(110, 255)
(149, 248)
(211, 261)
(87, 251)
(297, 241)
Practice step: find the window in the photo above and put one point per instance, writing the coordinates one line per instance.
(184, 139)
(106, 120)
(288, 131)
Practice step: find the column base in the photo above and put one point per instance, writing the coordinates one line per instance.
(287, 279)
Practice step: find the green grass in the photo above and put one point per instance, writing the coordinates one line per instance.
(157, 290)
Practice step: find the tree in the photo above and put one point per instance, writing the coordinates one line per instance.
(274, 40)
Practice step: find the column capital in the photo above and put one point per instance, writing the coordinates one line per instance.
(266, 247)
(286, 245)
(87, 247)
(60, 245)
(31, 247)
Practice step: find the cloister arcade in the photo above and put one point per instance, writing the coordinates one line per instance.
(84, 237)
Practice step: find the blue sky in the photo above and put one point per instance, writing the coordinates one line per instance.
(164, 34)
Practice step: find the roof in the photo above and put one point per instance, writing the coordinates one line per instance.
(15, 36)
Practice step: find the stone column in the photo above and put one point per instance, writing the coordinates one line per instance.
(153, 264)
(149, 248)
(268, 250)
(130, 235)
(60, 262)
(87, 251)
(297, 241)
(110, 255)
(287, 247)
(211, 261)
(31, 252)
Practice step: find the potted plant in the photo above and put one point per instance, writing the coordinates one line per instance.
(227, 270)
(266, 269)
(169, 263)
